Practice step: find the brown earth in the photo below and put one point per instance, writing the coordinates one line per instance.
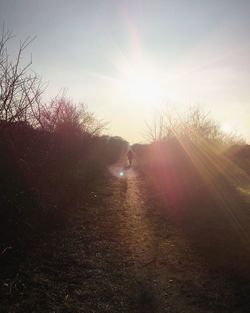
(120, 254)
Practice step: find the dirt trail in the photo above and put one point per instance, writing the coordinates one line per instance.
(118, 255)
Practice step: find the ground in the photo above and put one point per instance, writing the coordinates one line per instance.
(119, 253)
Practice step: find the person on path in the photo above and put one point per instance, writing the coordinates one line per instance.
(130, 156)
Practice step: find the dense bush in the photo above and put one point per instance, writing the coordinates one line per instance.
(44, 174)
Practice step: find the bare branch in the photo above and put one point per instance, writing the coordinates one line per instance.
(19, 87)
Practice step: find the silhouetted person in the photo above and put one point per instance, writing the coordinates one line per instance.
(130, 156)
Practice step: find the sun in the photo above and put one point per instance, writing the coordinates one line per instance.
(144, 89)
(141, 85)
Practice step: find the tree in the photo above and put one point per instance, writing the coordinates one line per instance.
(20, 88)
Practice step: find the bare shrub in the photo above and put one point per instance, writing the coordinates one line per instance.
(61, 114)
(194, 124)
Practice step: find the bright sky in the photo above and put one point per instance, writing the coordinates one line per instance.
(126, 59)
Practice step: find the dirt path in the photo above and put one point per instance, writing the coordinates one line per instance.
(119, 255)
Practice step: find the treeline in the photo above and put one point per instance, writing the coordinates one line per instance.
(52, 153)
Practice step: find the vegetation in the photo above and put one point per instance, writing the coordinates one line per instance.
(190, 151)
(185, 192)
(50, 152)
(198, 173)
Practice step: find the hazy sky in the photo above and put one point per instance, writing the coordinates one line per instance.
(126, 59)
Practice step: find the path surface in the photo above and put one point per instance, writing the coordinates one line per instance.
(118, 255)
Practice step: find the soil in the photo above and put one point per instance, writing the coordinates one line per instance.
(120, 254)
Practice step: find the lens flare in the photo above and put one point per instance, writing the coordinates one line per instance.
(121, 173)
